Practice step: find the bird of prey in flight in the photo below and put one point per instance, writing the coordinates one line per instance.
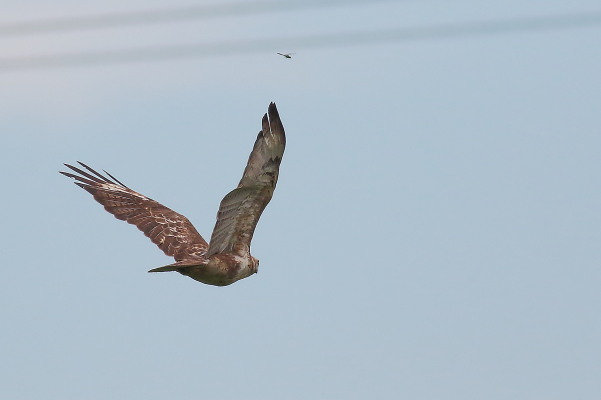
(226, 258)
(286, 55)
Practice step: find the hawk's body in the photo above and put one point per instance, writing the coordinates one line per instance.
(226, 258)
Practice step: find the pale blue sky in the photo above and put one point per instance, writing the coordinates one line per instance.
(434, 234)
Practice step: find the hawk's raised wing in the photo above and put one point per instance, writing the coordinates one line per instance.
(241, 208)
(172, 232)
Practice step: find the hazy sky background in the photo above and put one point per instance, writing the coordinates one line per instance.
(435, 233)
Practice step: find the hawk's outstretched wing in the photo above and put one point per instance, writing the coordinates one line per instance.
(241, 208)
(172, 232)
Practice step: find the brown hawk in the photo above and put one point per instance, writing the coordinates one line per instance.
(226, 258)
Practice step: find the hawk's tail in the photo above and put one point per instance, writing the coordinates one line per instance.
(179, 266)
(167, 268)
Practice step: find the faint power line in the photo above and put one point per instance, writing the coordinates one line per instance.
(173, 14)
(448, 31)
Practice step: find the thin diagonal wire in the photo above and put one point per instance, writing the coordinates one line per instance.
(169, 15)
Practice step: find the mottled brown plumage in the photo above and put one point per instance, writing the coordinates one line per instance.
(227, 257)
